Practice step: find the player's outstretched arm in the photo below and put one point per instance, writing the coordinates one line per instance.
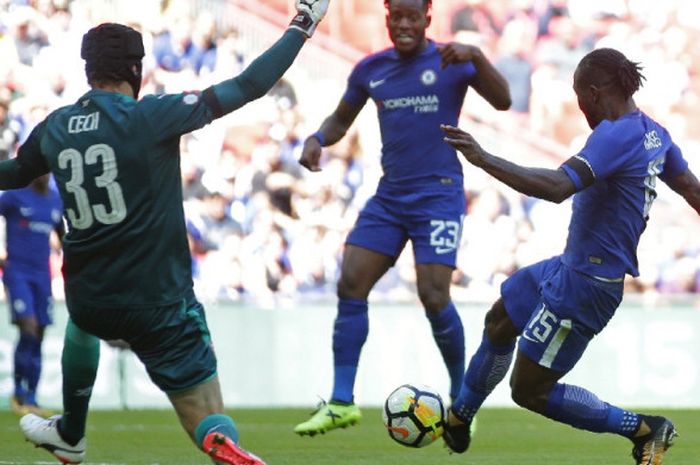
(12, 176)
(548, 184)
(331, 131)
(688, 187)
(489, 83)
(27, 165)
(259, 77)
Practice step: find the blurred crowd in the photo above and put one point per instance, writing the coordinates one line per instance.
(263, 230)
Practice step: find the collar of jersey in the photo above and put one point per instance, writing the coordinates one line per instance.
(94, 92)
(428, 49)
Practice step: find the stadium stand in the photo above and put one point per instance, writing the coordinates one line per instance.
(263, 231)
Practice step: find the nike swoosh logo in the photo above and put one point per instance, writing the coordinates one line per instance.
(373, 83)
(402, 431)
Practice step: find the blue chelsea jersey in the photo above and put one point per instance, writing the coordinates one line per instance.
(625, 158)
(413, 97)
(30, 217)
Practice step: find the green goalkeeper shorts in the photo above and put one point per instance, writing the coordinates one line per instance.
(172, 341)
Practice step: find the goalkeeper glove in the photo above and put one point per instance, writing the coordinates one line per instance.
(309, 14)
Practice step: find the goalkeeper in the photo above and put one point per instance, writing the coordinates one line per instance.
(127, 265)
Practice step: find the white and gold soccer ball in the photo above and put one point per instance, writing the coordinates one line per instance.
(414, 415)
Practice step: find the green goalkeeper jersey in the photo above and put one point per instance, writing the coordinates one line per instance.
(116, 162)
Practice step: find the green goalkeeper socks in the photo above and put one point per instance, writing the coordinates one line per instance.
(215, 423)
(81, 355)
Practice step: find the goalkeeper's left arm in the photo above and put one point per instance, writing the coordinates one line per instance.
(259, 77)
(12, 176)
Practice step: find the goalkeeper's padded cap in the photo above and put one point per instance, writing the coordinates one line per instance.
(113, 52)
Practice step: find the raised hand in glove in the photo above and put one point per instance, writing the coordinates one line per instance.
(309, 14)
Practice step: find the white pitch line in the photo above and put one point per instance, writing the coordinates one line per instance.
(24, 463)
(2, 462)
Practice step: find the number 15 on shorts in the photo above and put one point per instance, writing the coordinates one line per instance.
(549, 332)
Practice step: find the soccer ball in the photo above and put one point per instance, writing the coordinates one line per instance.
(414, 415)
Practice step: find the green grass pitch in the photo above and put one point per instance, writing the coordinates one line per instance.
(504, 437)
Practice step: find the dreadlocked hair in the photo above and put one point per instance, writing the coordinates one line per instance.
(426, 3)
(611, 66)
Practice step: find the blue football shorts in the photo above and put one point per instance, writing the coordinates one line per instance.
(431, 217)
(172, 341)
(558, 311)
(29, 296)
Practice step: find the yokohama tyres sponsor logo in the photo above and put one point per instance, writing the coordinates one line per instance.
(420, 103)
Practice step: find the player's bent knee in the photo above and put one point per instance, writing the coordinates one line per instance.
(498, 326)
(29, 326)
(524, 399)
(351, 287)
(434, 301)
(498, 332)
(529, 396)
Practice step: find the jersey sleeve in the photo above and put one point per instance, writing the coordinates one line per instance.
(468, 73)
(29, 163)
(356, 93)
(176, 114)
(599, 158)
(258, 78)
(675, 164)
(171, 115)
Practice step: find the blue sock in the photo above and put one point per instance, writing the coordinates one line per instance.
(215, 423)
(23, 364)
(34, 370)
(487, 368)
(449, 337)
(349, 335)
(581, 409)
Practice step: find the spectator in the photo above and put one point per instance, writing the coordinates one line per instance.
(28, 35)
(244, 153)
(8, 129)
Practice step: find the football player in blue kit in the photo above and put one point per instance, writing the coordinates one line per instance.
(555, 307)
(416, 85)
(31, 215)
